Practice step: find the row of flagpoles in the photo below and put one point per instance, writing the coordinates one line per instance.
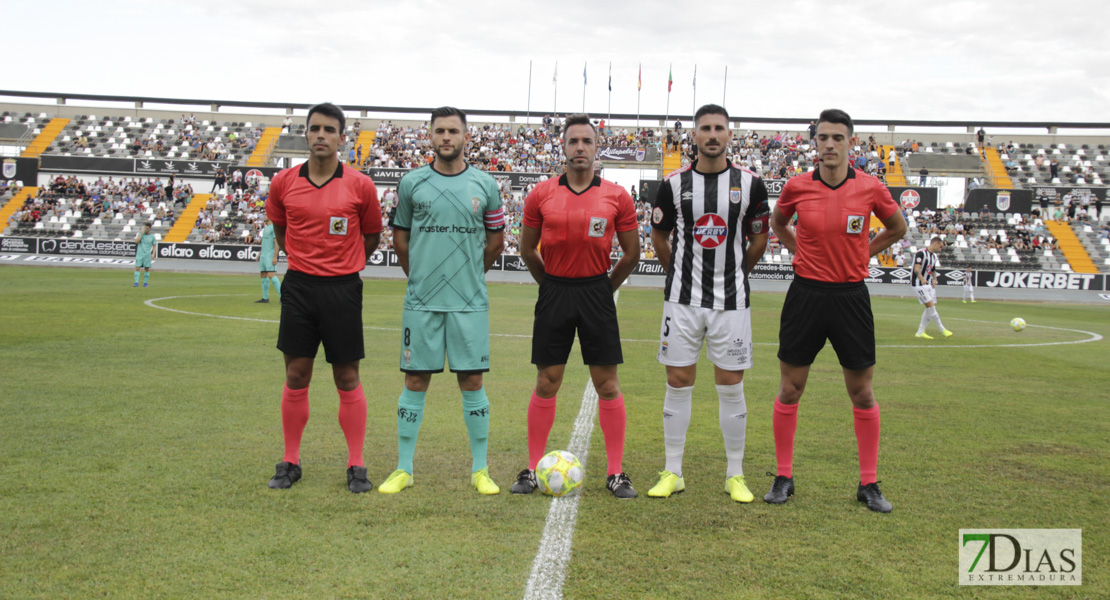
(639, 88)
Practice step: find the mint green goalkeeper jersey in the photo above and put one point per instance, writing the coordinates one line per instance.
(447, 217)
(268, 240)
(145, 245)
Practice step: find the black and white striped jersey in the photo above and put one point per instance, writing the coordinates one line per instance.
(710, 216)
(929, 263)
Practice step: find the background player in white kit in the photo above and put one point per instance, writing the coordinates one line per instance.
(925, 263)
(708, 210)
(969, 286)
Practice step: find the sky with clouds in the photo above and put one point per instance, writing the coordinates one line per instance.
(942, 60)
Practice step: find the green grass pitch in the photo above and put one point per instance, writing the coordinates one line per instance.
(135, 446)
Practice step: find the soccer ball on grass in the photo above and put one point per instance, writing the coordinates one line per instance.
(559, 473)
(1017, 323)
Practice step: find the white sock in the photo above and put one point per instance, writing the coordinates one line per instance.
(676, 420)
(924, 321)
(733, 415)
(936, 317)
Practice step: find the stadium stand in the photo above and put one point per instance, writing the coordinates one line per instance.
(264, 148)
(1017, 241)
(44, 138)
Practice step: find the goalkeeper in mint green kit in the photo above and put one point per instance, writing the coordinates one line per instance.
(448, 229)
(267, 263)
(144, 255)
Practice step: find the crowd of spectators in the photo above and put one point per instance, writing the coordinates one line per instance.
(236, 215)
(129, 197)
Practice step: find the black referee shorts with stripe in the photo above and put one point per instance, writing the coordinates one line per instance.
(318, 309)
(839, 312)
(565, 305)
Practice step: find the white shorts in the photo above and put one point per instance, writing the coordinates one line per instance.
(727, 335)
(926, 294)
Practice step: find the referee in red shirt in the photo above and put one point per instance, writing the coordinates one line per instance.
(327, 219)
(828, 298)
(575, 217)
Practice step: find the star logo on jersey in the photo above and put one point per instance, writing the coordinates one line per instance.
(855, 224)
(710, 231)
(909, 199)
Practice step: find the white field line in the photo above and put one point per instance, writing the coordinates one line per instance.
(549, 568)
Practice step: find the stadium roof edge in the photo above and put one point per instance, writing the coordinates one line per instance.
(520, 113)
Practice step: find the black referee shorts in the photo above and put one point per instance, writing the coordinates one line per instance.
(839, 312)
(318, 309)
(586, 305)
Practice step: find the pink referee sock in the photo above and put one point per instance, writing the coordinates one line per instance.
(294, 416)
(541, 417)
(784, 421)
(867, 438)
(352, 419)
(611, 414)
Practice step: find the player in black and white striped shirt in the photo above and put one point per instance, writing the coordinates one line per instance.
(709, 227)
(925, 264)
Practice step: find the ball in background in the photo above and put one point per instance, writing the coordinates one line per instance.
(1017, 323)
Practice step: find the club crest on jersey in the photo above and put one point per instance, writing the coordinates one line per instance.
(734, 195)
(338, 226)
(9, 168)
(710, 231)
(657, 215)
(757, 227)
(476, 203)
(855, 224)
(597, 226)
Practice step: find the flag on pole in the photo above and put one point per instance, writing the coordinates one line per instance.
(583, 73)
(555, 77)
(610, 77)
(640, 79)
(670, 79)
(695, 77)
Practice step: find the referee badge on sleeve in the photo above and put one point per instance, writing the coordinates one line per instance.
(855, 224)
(338, 226)
(597, 226)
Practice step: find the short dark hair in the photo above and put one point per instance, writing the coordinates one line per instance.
(330, 110)
(448, 111)
(935, 240)
(578, 119)
(835, 115)
(710, 109)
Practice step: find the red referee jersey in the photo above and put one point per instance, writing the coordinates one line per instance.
(833, 223)
(576, 230)
(324, 225)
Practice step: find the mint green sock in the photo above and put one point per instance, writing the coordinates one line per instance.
(410, 413)
(265, 289)
(136, 277)
(476, 415)
(277, 284)
(146, 277)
